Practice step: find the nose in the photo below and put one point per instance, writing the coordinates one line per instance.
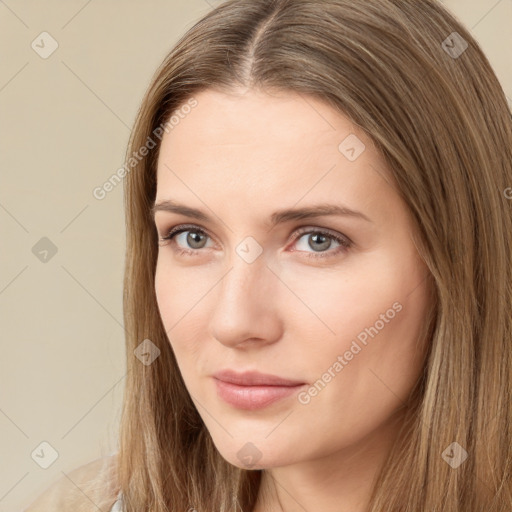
(246, 307)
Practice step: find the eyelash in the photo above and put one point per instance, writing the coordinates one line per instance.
(344, 242)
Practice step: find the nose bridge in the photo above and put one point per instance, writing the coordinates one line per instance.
(243, 305)
(247, 278)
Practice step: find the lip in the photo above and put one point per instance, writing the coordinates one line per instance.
(253, 390)
(253, 397)
(254, 378)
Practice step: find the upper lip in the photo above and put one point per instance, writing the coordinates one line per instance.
(253, 378)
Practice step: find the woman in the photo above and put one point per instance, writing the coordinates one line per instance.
(319, 191)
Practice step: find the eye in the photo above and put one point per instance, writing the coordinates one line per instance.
(320, 241)
(193, 236)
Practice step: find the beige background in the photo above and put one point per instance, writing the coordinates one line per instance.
(64, 124)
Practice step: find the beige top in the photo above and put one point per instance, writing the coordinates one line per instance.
(118, 505)
(88, 488)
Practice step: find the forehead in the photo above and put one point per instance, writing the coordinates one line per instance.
(252, 118)
(277, 147)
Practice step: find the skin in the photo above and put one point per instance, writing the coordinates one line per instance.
(240, 157)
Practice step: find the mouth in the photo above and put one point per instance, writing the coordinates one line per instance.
(253, 397)
(253, 390)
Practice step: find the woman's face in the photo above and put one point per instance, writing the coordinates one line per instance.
(333, 301)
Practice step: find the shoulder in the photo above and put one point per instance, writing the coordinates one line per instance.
(88, 488)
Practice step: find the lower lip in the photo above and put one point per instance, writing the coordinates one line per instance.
(253, 397)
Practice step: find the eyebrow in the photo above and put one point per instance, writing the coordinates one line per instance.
(277, 217)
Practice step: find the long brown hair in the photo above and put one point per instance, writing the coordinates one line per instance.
(415, 80)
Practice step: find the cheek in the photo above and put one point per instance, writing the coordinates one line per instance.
(371, 311)
(173, 293)
(363, 373)
(182, 294)
(337, 304)
(178, 289)
(163, 293)
(396, 354)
